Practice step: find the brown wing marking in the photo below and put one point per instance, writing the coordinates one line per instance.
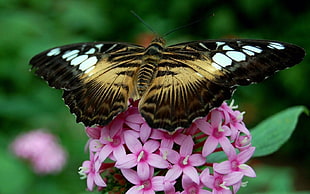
(179, 94)
(104, 93)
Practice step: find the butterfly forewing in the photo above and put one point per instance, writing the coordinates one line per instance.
(183, 82)
(97, 78)
(246, 61)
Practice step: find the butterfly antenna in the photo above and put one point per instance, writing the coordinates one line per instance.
(181, 27)
(143, 22)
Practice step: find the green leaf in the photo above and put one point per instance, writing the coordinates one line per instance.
(272, 133)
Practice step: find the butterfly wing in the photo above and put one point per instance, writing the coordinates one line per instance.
(194, 77)
(97, 78)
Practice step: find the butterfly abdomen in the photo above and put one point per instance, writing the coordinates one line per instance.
(148, 68)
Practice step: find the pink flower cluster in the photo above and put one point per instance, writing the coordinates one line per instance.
(42, 150)
(140, 159)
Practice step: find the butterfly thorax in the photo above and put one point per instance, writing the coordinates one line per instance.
(148, 69)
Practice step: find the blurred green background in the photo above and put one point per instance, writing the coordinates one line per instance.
(28, 27)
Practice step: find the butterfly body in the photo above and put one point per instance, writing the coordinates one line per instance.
(175, 84)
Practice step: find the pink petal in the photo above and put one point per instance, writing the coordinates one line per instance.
(135, 118)
(90, 182)
(119, 152)
(204, 126)
(187, 146)
(172, 155)
(158, 183)
(173, 173)
(223, 167)
(227, 131)
(216, 118)
(151, 146)
(248, 171)
(145, 132)
(179, 138)
(148, 192)
(197, 160)
(99, 181)
(245, 155)
(131, 176)
(206, 178)
(157, 161)
(232, 178)
(134, 126)
(226, 145)
(143, 170)
(209, 146)
(87, 164)
(186, 181)
(192, 173)
(115, 127)
(105, 152)
(127, 161)
(93, 132)
(133, 144)
(135, 190)
(167, 143)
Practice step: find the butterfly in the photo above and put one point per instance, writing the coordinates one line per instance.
(175, 84)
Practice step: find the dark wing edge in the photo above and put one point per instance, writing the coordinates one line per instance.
(262, 57)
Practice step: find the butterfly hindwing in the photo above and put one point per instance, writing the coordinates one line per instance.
(97, 78)
(179, 94)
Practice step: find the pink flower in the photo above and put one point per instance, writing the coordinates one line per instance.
(140, 152)
(185, 161)
(168, 139)
(146, 185)
(236, 163)
(192, 187)
(112, 140)
(142, 156)
(90, 169)
(42, 150)
(217, 133)
(220, 183)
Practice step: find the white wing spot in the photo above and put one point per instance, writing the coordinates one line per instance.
(236, 55)
(219, 44)
(78, 60)
(250, 53)
(216, 66)
(98, 46)
(88, 63)
(89, 70)
(253, 49)
(276, 45)
(91, 51)
(227, 48)
(53, 52)
(70, 53)
(203, 46)
(72, 57)
(221, 59)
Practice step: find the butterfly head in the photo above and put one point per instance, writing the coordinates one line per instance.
(159, 41)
